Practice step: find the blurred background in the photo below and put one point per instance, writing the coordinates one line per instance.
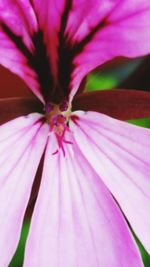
(119, 73)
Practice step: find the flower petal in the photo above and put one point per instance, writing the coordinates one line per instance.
(52, 46)
(114, 28)
(18, 27)
(120, 154)
(22, 46)
(76, 222)
(120, 104)
(22, 142)
(11, 108)
(82, 35)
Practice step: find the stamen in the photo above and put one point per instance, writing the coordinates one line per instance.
(49, 107)
(64, 105)
(58, 122)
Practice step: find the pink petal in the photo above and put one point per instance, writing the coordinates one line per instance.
(110, 29)
(49, 15)
(81, 35)
(52, 17)
(18, 25)
(56, 43)
(120, 154)
(76, 222)
(22, 142)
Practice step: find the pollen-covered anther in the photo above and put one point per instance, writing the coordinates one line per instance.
(64, 105)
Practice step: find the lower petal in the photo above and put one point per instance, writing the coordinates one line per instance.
(76, 222)
(120, 154)
(22, 142)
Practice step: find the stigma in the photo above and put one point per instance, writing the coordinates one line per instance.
(57, 117)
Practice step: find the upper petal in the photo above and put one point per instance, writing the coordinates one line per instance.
(18, 24)
(82, 35)
(22, 46)
(76, 222)
(120, 154)
(22, 142)
(110, 29)
(57, 42)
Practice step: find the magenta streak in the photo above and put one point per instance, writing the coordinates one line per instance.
(60, 138)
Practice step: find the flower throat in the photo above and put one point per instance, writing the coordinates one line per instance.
(57, 117)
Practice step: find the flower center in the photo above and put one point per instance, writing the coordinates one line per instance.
(57, 117)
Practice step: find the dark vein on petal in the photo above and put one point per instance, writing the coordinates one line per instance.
(64, 57)
(32, 5)
(41, 65)
(37, 59)
(78, 47)
(67, 53)
(17, 40)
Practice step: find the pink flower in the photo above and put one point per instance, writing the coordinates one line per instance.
(88, 156)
